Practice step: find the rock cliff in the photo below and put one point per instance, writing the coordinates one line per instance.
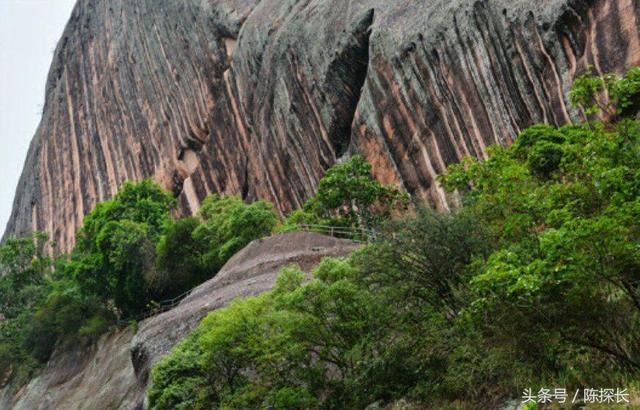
(259, 97)
(92, 377)
(113, 374)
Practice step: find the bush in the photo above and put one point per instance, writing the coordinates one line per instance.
(67, 317)
(179, 380)
(95, 326)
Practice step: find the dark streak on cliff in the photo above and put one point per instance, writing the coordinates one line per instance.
(259, 98)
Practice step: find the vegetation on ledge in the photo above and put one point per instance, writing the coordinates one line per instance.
(533, 283)
(129, 255)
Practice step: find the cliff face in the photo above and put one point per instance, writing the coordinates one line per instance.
(260, 97)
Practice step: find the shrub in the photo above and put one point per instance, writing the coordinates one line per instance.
(179, 380)
(94, 327)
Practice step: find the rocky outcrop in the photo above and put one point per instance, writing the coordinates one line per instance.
(91, 377)
(250, 272)
(258, 98)
(113, 374)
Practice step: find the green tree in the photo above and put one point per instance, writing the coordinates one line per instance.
(348, 195)
(228, 225)
(192, 250)
(116, 245)
(179, 260)
(425, 260)
(607, 93)
(329, 343)
(566, 226)
(23, 288)
(24, 266)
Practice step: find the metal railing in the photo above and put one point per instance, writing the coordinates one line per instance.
(344, 232)
(341, 232)
(158, 307)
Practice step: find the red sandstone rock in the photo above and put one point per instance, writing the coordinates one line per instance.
(259, 98)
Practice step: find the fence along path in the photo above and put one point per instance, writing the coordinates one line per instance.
(339, 232)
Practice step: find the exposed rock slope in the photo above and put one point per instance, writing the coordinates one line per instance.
(81, 378)
(114, 373)
(250, 272)
(258, 98)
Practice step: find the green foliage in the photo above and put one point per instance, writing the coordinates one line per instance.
(566, 226)
(426, 259)
(181, 382)
(66, 316)
(129, 252)
(228, 225)
(193, 249)
(619, 94)
(23, 287)
(328, 343)
(115, 249)
(179, 262)
(95, 326)
(24, 267)
(348, 195)
(584, 92)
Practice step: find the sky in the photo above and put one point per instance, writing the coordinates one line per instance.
(29, 32)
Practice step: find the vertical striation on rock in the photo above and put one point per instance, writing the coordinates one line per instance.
(457, 77)
(259, 97)
(129, 96)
